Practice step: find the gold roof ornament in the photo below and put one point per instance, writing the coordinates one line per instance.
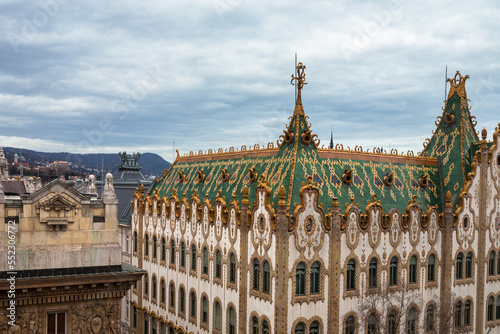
(457, 84)
(301, 81)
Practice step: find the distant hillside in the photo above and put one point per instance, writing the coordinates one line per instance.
(152, 163)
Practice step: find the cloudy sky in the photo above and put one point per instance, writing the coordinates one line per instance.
(94, 76)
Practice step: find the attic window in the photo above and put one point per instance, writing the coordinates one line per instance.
(98, 219)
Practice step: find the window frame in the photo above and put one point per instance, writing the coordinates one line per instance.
(315, 278)
(412, 270)
(459, 270)
(300, 279)
(255, 274)
(351, 275)
(393, 271)
(266, 277)
(56, 321)
(373, 273)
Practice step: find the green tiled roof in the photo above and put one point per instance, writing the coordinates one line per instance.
(291, 163)
(452, 142)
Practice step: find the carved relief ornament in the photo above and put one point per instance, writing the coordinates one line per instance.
(309, 221)
(263, 218)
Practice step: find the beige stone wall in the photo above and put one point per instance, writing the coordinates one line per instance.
(59, 227)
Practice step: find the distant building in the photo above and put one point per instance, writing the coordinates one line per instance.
(61, 167)
(68, 271)
(298, 238)
(4, 166)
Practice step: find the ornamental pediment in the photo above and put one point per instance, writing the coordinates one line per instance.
(57, 211)
(56, 202)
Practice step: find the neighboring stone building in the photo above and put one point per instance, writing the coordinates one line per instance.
(296, 238)
(126, 181)
(69, 276)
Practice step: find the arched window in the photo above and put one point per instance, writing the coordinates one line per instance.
(146, 245)
(182, 302)
(256, 274)
(135, 241)
(204, 317)
(266, 277)
(172, 251)
(265, 327)
(459, 268)
(498, 308)
(153, 325)
(392, 323)
(371, 326)
(162, 327)
(153, 288)
(193, 257)
(314, 328)
(468, 265)
(255, 325)
(146, 284)
(351, 275)
(300, 328)
(205, 260)
(218, 264)
(162, 291)
(163, 249)
(232, 321)
(467, 310)
(183, 254)
(172, 296)
(491, 263)
(431, 268)
(171, 330)
(146, 323)
(429, 319)
(300, 279)
(314, 277)
(393, 271)
(218, 316)
(412, 277)
(490, 308)
(154, 246)
(192, 306)
(372, 273)
(458, 314)
(412, 321)
(232, 268)
(350, 325)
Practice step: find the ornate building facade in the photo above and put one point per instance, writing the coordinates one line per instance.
(296, 238)
(61, 270)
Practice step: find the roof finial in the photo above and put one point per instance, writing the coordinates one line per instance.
(331, 139)
(301, 81)
(457, 84)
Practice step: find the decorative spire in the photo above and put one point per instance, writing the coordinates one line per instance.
(331, 139)
(301, 81)
(457, 84)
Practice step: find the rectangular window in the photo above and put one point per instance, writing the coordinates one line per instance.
(127, 244)
(127, 308)
(56, 323)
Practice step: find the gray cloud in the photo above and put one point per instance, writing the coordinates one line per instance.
(92, 76)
